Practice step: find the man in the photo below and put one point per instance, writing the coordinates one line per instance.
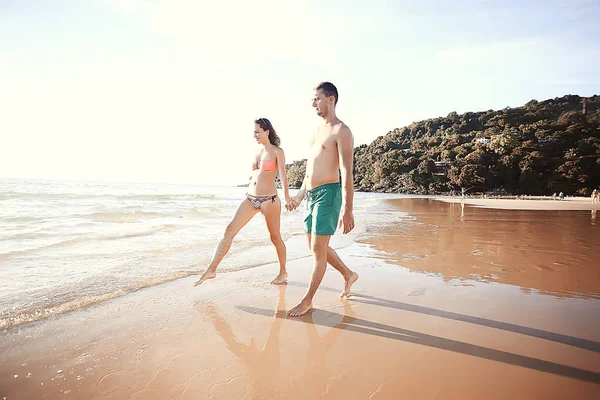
(331, 153)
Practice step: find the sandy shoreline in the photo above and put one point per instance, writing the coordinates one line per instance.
(408, 329)
(577, 203)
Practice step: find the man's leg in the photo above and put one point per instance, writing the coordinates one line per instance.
(336, 262)
(349, 276)
(319, 247)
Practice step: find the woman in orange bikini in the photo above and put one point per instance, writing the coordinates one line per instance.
(261, 196)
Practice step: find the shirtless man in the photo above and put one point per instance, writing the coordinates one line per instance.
(331, 152)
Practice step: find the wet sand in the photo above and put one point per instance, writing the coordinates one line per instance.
(433, 316)
(549, 251)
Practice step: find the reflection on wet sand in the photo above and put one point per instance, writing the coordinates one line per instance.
(554, 252)
(264, 366)
(316, 373)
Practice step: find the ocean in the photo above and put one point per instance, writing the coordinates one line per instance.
(66, 245)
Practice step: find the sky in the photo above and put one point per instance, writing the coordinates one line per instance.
(166, 91)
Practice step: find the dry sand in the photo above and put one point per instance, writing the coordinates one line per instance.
(428, 320)
(534, 203)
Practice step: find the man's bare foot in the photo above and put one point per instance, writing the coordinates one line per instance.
(349, 282)
(280, 280)
(300, 309)
(208, 274)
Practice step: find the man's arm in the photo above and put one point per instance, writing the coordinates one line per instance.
(302, 190)
(297, 199)
(345, 143)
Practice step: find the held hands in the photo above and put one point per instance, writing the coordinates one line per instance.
(292, 202)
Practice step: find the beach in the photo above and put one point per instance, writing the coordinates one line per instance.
(453, 302)
(531, 203)
(82, 243)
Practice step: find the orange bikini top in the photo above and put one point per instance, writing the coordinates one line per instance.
(266, 165)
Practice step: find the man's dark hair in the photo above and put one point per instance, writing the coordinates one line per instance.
(328, 89)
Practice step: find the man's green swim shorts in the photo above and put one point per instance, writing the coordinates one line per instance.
(323, 205)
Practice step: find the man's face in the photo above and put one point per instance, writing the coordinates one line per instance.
(320, 103)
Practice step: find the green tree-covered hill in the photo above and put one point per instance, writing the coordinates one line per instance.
(539, 148)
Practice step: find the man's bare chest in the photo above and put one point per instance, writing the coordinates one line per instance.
(323, 144)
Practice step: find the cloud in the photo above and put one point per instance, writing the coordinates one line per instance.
(567, 82)
(541, 60)
(128, 6)
(515, 49)
(242, 31)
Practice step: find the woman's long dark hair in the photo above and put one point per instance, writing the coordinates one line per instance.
(266, 125)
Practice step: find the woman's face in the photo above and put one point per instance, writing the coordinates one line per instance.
(260, 134)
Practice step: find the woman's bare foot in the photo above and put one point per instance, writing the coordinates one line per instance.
(349, 282)
(208, 274)
(300, 309)
(280, 280)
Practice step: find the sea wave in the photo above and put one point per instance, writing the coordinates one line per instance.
(128, 216)
(100, 289)
(38, 196)
(125, 234)
(122, 216)
(21, 219)
(71, 300)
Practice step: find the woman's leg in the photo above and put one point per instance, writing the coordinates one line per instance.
(272, 212)
(244, 213)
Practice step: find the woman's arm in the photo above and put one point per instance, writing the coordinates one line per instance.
(283, 175)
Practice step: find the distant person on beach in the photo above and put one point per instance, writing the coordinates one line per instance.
(262, 197)
(331, 153)
(561, 196)
(595, 196)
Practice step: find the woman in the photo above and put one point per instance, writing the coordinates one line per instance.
(261, 197)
